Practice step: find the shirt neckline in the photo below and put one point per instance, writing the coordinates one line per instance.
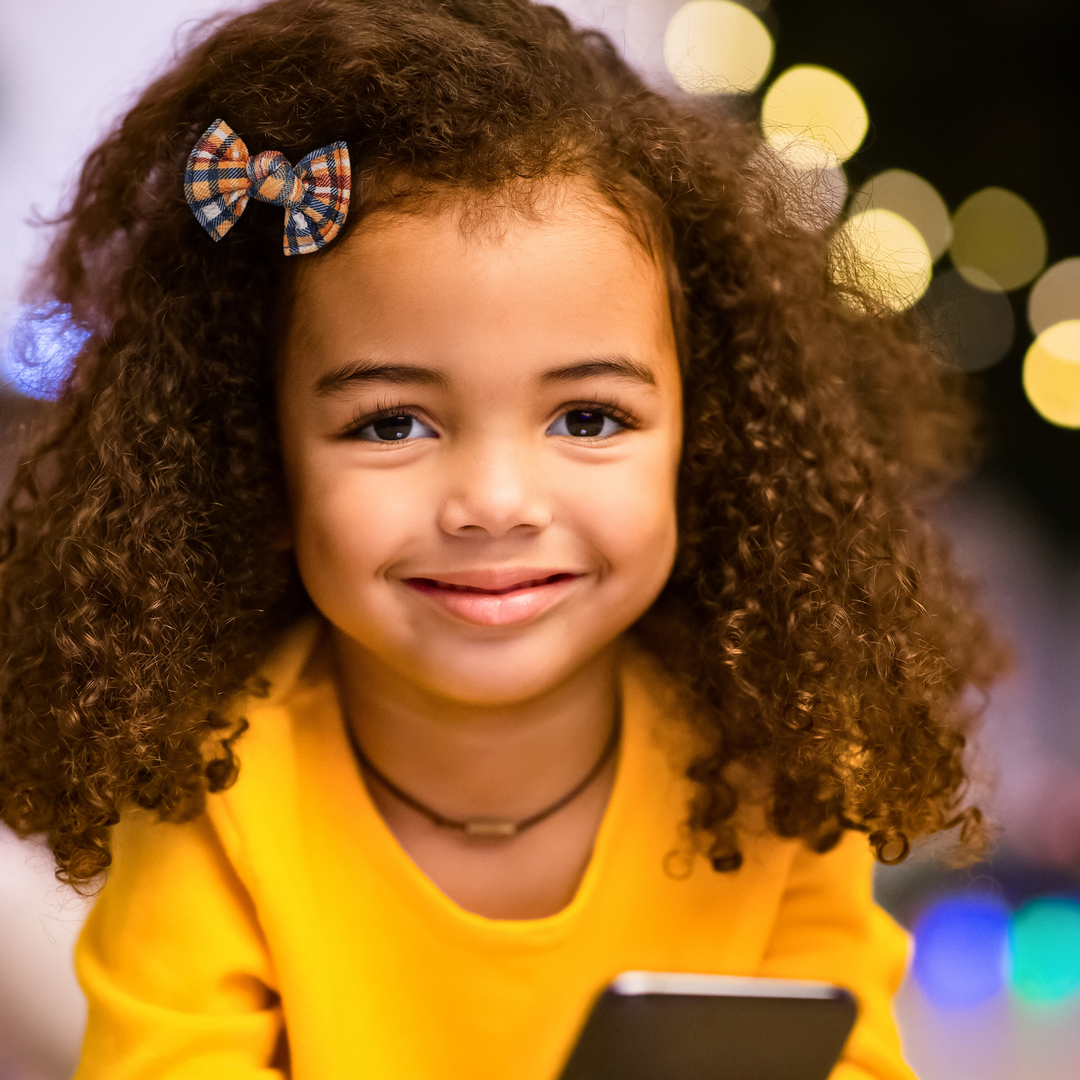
(417, 889)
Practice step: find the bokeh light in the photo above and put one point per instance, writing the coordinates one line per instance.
(813, 117)
(816, 197)
(998, 240)
(891, 261)
(41, 349)
(972, 327)
(1052, 374)
(961, 950)
(717, 47)
(913, 198)
(1055, 297)
(1045, 942)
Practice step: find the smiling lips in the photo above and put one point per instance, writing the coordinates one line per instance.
(495, 597)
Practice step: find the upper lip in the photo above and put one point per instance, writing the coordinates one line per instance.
(496, 580)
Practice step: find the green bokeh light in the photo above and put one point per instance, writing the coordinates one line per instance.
(1045, 943)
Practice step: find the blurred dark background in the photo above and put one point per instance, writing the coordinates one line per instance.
(969, 94)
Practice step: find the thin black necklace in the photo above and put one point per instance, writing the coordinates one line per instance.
(492, 828)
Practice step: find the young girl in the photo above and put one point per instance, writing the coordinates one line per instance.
(475, 554)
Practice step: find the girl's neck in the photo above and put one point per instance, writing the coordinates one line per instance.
(467, 760)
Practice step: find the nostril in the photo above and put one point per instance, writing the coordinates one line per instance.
(481, 513)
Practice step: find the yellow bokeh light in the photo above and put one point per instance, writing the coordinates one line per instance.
(890, 258)
(912, 198)
(998, 240)
(813, 117)
(1052, 374)
(717, 47)
(1055, 297)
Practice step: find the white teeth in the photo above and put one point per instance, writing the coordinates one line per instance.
(516, 587)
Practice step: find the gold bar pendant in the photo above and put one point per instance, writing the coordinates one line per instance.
(492, 827)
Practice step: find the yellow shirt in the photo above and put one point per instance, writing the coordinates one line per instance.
(289, 906)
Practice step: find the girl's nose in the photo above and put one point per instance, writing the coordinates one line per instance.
(494, 489)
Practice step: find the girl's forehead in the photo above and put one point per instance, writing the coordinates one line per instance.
(567, 254)
(534, 289)
(481, 217)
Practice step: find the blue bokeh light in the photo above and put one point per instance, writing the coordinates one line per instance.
(962, 950)
(40, 351)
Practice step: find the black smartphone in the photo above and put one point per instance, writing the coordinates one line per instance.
(650, 1025)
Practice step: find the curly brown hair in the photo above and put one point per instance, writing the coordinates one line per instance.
(812, 617)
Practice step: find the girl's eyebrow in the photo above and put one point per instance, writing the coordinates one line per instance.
(621, 367)
(366, 371)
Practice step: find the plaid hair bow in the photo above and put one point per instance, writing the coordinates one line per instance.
(221, 176)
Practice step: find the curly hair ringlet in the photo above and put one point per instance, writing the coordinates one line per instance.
(813, 619)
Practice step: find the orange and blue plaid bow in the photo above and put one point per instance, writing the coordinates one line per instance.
(221, 176)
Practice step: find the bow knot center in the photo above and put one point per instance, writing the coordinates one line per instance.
(273, 180)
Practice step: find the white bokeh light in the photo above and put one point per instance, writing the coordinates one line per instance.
(886, 256)
(1055, 297)
(913, 198)
(717, 47)
(813, 117)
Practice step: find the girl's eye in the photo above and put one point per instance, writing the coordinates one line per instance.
(586, 424)
(394, 429)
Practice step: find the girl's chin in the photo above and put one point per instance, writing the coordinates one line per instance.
(500, 677)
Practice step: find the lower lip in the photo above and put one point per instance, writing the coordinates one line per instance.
(497, 609)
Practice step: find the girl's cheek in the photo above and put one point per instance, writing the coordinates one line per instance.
(374, 519)
(630, 514)
(364, 515)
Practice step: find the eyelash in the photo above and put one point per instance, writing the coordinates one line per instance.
(362, 419)
(601, 405)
